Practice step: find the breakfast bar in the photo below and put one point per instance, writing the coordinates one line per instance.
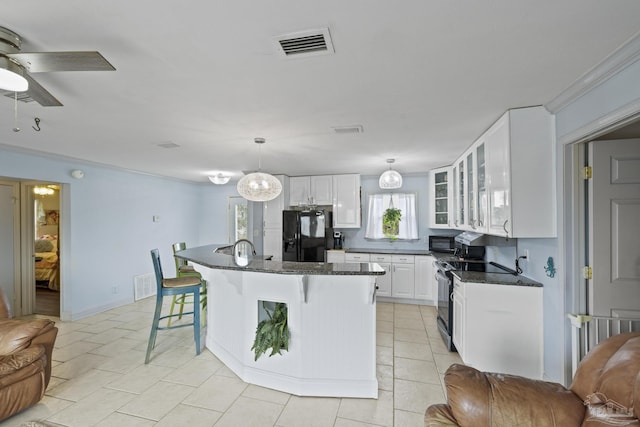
(331, 316)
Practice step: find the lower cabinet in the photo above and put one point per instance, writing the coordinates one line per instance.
(498, 328)
(424, 278)
(402, 276)
(334, 256)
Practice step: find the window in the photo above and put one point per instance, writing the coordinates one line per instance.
(379, 203)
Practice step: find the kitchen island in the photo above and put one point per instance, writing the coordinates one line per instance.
(331, 319)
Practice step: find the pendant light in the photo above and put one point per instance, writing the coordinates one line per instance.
(219, 179)
(390, 179)
(259, 186)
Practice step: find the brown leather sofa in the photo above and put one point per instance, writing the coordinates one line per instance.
(25, 360)
(605, 393)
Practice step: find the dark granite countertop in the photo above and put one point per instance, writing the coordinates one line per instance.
(206, 256)
(389, 251)
(495, 278)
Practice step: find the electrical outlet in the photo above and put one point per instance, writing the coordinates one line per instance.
(526, 254)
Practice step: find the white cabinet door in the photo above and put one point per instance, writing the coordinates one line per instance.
(299, 190)
(384, 282)
(321, 189)
(459, 319)
(498, 175)
(481, 187)
(272, 210)
(441, 198)
(424, 278)
(520, 158)
(346, 201)
(402, 280)
(272, 243)
(335, 257)
(461, 219)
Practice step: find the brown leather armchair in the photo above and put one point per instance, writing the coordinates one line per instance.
(605, 392)
(25, 360)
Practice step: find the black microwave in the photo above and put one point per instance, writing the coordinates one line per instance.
(442, 244)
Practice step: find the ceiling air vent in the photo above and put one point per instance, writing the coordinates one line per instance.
(168, 144)
(305, 43)
(347, 129)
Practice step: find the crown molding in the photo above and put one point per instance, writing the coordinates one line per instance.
(623, 56)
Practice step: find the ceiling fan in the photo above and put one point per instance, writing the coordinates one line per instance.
(17, 66)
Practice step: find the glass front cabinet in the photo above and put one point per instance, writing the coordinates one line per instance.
(441, 192)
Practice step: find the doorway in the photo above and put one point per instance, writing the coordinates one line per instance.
(46, 231)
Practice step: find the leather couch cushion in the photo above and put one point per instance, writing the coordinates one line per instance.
(479, 399)
(16, 335)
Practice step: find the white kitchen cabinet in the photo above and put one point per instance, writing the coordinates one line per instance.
(384, 283)
(460, 220)
(441, 198)
(346, 201)
(402, 276)
(272, 221)
(299, 190)
(459, 325)
(311, 190)
(499, 328)
(520, 162)
(425, 285)
(321, 187)
(334, 256)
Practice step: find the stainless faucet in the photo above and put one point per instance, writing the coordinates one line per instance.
(243, 242)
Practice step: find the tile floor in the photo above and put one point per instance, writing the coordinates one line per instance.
(99, 378)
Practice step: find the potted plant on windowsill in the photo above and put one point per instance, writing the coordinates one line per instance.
(273, 332)
(391, 222)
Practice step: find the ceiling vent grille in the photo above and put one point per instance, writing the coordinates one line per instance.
(305, 43)
(347, 129)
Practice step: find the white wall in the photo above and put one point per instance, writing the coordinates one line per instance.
(107, 228)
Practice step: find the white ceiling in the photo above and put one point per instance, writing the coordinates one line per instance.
(423, 77)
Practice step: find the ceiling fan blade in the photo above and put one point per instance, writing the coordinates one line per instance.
(42, 62)
(40, 94)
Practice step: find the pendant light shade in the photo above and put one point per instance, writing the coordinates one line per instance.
(390, 179)
(12, 76)
(259, 186)
(219, 179)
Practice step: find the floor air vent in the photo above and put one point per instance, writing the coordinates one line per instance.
(144, 286)
(305, 43)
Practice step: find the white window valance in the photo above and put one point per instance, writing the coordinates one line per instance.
(378, 203)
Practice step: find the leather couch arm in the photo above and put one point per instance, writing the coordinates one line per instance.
(479, 399)
(11, 363)
(439, 416)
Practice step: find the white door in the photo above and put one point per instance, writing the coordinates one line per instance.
(614, 228)
(8, 234)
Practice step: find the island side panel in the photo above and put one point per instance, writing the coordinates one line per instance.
(332, 348)
(225, 316)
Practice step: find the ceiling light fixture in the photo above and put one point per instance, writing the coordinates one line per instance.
(219, 179)
(259, 186)
(12, 76)
(390, 179)
(43, 191)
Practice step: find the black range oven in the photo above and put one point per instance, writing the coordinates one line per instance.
(444, 277)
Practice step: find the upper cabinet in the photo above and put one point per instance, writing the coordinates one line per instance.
(299, 190)
(441, 194)
(346, 201)
(311, 190)
(504, 183)
(520, 173)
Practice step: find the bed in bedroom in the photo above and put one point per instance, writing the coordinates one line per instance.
(47, 262)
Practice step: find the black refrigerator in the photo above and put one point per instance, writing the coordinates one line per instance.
(305, 235)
